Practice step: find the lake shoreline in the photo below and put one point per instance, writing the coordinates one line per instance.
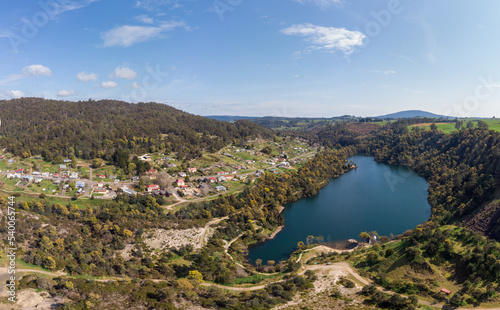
(339, 212)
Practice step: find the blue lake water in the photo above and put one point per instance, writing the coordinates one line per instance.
(374, 197)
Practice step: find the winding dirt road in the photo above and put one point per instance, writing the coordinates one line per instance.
(341, 267)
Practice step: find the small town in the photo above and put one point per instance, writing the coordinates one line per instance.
(227, 171)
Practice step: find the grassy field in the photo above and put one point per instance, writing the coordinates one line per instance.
(493, 124)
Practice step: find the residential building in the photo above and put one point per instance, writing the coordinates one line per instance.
(128, 191)
(152, 187)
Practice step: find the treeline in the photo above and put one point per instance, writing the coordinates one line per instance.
(94, 129)
(460, 167)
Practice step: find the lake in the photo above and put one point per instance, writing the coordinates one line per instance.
(375, 197)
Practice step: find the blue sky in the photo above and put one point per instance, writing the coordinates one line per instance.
(316, 58)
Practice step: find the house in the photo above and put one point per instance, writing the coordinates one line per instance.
(27, 178)
(20, 170)
(152, 177)
(153, 187)
(38, 180)
(222, 179)
(57, 182)
(192, 170)
(136, 178)
(67, 160)
(102, 176)
(79, 191)
(284, 164)
(10, 161)
(220, 173)
(45, 174)
(36, 173)
(62, 167)
(229, 177)
(112, 177)
(180, 182)
(73, 175)
(151, 171)
(128, 191)
(100, 184)
(171, 165)
(80, 184)
(212, 180)
(103, 190)
(447, 292)
(221, 188)
(55, 175)
(145, 157)
(65, 186)
(182, 174)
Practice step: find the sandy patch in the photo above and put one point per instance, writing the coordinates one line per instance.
(162, 239)
(320, 297)
(29, 299)
(126, 253)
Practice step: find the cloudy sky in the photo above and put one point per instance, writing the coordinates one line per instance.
(257, 57)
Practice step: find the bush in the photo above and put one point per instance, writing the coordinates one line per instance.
(346, 282)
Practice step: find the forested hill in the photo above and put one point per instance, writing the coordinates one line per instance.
(88, 129)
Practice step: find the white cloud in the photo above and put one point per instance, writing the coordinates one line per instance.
(145, 19)
(86, 77)
(123, 73)
(135, 85)
(28, 71)
(11, 78)
(321, 3)
(385, 72)
(153, 4)
(37, 70)
(66, 93)
(129, 35)
(326, 38)
(15, 93)
(109, 84)
(60, 7)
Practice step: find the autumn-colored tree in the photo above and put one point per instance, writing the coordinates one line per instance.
(50, 263)
(195, 276)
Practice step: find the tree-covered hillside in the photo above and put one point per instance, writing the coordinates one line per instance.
(90, 129)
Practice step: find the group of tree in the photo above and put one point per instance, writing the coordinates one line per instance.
(95, 129)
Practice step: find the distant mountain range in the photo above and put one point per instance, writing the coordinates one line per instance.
(402, 114)
(230, 118)
(412, 114)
